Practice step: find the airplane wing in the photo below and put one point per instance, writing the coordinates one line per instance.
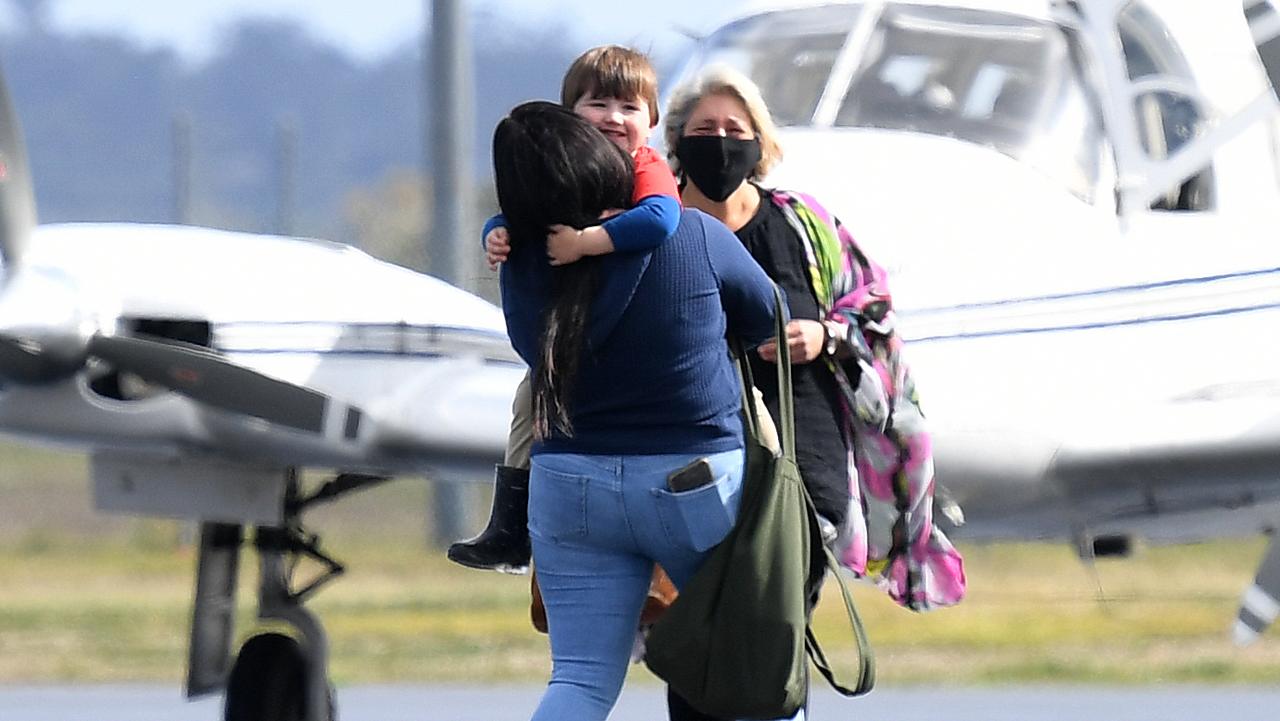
(1178, 483)
(1186, 458)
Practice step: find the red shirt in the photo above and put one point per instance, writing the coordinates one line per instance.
(653, 176)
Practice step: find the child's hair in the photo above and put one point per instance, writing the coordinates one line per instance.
(552, 167)
(612, 71)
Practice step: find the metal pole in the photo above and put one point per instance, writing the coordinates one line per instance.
(448, 116)
(181, 169)
(286, 175)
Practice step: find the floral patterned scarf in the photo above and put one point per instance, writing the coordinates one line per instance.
(890, 536)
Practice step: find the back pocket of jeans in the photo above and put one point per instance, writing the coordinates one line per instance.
(699, 518)
(557, 505)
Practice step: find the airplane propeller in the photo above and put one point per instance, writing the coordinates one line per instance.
(60, 346)
(203, 375)
(26, 360)
(190, 370)
(17, 200)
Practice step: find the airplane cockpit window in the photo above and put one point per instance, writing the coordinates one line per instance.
(989, 78)
(788, 54)
(1168, 115)
(985, 77)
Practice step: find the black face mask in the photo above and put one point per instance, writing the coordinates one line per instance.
(717, 165)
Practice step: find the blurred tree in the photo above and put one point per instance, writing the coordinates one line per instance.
(97, 113)
(99, 110)
(389, 220)
(267, 69)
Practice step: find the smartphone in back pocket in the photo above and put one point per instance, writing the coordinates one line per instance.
(694, 475)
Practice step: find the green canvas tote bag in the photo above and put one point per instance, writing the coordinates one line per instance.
(734, 642)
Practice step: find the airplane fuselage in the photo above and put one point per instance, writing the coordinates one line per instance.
(1088, 365)
(428, 363)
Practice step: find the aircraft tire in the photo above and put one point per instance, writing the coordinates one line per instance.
(268, 681)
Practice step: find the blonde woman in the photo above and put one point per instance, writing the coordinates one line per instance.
(862, 445)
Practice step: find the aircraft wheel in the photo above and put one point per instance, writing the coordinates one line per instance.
(269, 681)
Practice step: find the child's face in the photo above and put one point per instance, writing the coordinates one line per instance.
(625, 122)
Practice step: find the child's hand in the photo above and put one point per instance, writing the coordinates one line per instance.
(497, 246)
(564, 245)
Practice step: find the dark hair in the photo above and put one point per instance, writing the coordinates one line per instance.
(551, 166)
(612, 71)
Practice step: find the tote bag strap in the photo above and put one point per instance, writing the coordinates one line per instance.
(786, 422)
(787, 440)
(786, 403)
(866, 658)
(748, 382)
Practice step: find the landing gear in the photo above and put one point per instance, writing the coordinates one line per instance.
(276, 676)
(268, 681)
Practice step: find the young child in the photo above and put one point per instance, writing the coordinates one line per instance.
(616, 90)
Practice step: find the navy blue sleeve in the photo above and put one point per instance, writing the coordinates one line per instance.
(522, 282)
(497, 221)
(646, 225)
(746, 292)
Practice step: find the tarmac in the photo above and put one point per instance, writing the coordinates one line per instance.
(647, 703)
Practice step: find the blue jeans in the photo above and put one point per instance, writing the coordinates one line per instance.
(598, 524)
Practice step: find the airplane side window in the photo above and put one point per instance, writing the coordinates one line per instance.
(1167, 120)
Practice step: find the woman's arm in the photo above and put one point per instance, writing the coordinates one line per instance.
(855, 287)
(746, 292)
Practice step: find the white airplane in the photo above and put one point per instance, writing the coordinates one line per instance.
(1077, 204)
(202, 369)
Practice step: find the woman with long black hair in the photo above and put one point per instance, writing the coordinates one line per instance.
(631, 381)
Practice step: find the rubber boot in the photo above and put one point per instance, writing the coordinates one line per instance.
(503, 545)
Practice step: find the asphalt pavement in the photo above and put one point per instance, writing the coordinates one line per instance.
(645, 702)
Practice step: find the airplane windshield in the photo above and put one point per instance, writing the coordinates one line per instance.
(989, 78)
(788, 54)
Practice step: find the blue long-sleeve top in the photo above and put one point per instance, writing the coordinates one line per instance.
(645, 225)
(656, 376)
